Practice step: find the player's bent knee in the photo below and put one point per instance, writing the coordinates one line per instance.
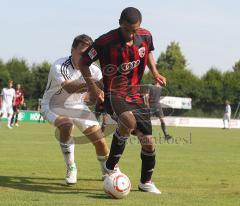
(64, 128)
(148, 148)
(147, 143)
(92, 130)
(127, 121)
(94, 134)
(62, 122)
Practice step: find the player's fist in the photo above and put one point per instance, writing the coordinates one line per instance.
(96, 95)
(160, 79)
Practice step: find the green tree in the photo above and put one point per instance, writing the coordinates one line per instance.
(236, 66)
(18, 70)
(212, 98)
(4, 75)
(172, 59)
(231, 86)
(40, 77)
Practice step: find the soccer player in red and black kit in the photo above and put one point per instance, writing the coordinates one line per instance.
(123, 54)
(19, 100)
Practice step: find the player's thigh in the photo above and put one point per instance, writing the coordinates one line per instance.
(225, 117)
(127, 120)
(143, 119)
(47, 114)
(86, 122)
(16, 109)
(121, 111)
(4, 109)
(9, 111)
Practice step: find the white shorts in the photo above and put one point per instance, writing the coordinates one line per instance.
(81, 115)
(6, 109)
(227, 117)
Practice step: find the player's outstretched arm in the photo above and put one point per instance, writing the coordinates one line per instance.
(152, 66)
(22, 102)
(95, 92)
(74, 86)
(14, 99)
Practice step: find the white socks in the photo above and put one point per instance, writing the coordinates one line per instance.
(9, 120)
(102, 160)
(68, 152)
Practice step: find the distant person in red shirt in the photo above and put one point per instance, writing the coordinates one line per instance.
(19, 101)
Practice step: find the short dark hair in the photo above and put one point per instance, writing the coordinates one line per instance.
(130, 15)
(82, 38)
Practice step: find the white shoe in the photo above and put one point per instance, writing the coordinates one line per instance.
(16, 124)
(109, 172)
(71, 176)
(9, 127)
(148, 187)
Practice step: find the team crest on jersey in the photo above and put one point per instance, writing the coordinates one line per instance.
(141, 52)
(92, 53)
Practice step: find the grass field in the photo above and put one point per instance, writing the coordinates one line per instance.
(203, 170)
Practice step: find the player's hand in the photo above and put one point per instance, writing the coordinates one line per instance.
(160, 79)
(97, 95)
(86, 99)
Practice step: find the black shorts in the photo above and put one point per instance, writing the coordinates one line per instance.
(117, 105)
(156, 110)
(16, 108)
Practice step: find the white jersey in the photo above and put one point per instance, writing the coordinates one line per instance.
(61, 71)
(7, 96)
(228, 110)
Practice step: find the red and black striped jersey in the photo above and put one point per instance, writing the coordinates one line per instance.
(18, 97)
(122, 65)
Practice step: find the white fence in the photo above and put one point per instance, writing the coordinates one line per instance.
(196, 122)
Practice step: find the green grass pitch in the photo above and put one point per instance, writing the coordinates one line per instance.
(201, 167)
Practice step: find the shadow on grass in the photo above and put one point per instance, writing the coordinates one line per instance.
(52, 185)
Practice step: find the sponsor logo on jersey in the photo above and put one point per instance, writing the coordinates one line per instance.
(141, 52)
(124, 68)
(92, 53)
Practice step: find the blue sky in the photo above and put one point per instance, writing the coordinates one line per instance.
(208, 31)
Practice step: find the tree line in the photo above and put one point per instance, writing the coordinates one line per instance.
(32, 78)
(208, 92)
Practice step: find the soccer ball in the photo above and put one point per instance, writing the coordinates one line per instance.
(117, 185)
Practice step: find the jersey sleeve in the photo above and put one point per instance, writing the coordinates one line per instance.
(60, 73)
(91, 54)
(150, 43)
(96, 72)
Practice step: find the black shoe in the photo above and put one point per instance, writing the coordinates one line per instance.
(168, 137)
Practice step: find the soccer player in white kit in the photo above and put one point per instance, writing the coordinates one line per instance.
(7, 98)
(227, 115)
(64, 105)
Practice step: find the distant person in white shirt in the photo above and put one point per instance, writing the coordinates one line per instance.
(64, 104)
(227, 115)
(7, 98)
